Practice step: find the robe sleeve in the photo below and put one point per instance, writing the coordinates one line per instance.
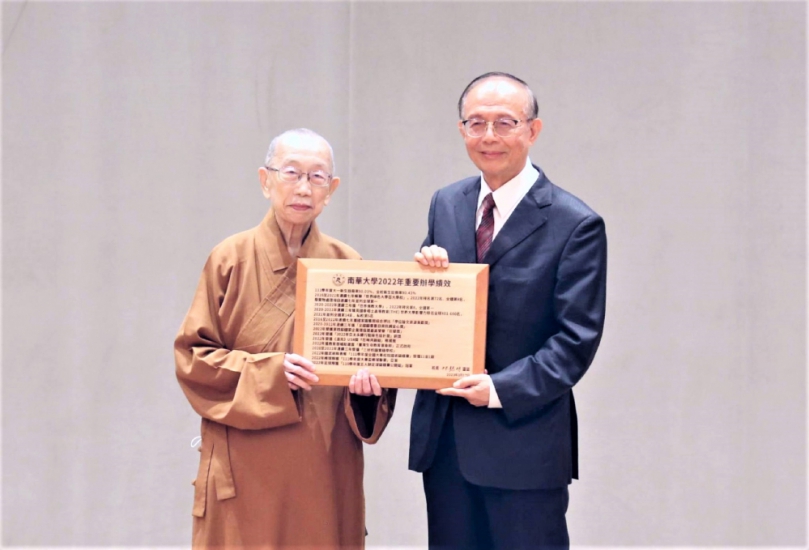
(244, 390)
(369, 415)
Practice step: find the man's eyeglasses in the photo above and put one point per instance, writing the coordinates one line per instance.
(476, 127)
(291, 176)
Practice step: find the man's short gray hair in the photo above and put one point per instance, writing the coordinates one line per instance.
(531, 109)
(297, 132)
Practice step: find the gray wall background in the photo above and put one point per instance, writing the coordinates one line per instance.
(131, 135)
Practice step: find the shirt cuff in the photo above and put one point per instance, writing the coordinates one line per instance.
(494, 401)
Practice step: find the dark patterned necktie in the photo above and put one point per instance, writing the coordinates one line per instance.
(485, 231)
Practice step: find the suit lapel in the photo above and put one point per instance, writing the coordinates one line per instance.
(465, 210)
(526, 218)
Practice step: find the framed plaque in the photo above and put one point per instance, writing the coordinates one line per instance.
(411, 326)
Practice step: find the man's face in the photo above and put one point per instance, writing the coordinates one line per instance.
(298, 203)
(500, 158)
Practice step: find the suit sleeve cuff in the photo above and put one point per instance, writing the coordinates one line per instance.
(494, 400)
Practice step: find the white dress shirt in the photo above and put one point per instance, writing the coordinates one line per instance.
(506, 198)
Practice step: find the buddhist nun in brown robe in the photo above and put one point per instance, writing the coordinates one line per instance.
(281, 460)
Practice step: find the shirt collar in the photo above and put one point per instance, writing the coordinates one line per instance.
(508, 195)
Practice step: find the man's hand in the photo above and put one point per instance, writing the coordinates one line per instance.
(432, 256)
(364, 383)
(474, 389)
(299, 371)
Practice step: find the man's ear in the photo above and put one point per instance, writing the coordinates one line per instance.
(335, 183)
(536, 128)
(460, 129)
(264, 180)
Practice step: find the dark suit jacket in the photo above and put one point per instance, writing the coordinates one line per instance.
(547, 291)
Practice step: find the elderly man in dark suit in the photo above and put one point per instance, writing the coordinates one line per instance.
(498, 450)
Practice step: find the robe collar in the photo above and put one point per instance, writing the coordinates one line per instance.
(272, 249)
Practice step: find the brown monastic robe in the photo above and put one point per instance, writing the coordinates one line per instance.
(278, 469)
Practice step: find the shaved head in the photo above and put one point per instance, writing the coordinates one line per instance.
(290, 135)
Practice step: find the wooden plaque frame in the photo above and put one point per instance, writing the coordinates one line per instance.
(339, 275)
